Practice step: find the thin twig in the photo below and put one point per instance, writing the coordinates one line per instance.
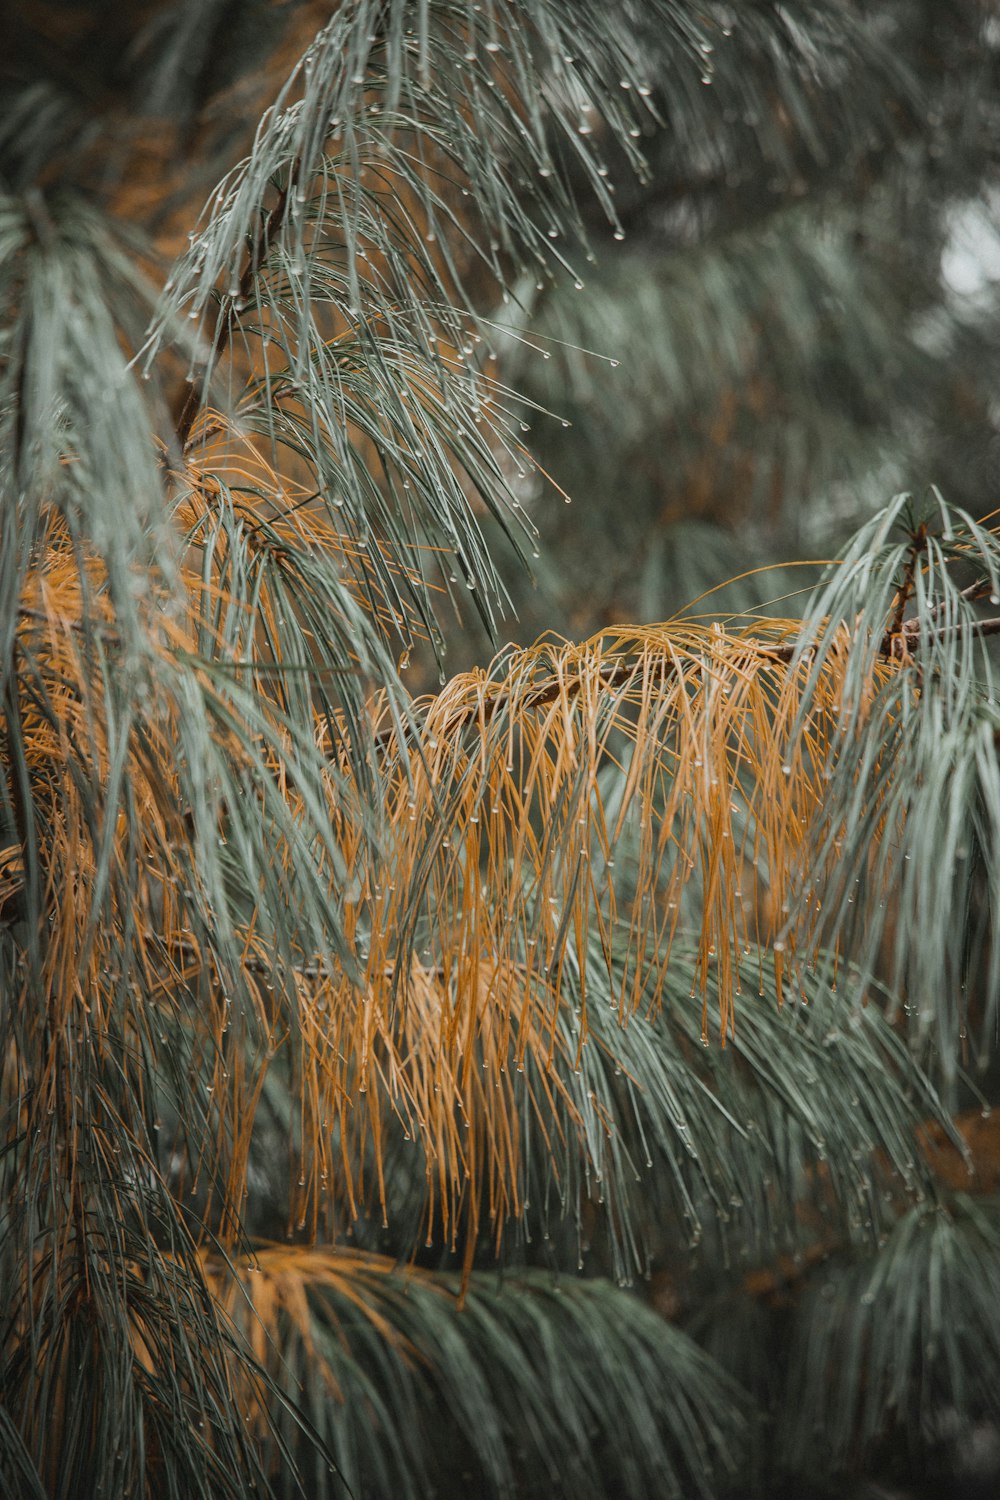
(309, 972)
(912, 633)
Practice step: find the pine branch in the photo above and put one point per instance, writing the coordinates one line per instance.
(232, 305)
(899, 639)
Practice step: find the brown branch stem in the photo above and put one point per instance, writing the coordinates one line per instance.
(905, 593)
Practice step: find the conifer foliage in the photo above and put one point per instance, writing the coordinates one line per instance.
(663, 956)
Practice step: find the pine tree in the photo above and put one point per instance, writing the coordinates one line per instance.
(664, 956)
